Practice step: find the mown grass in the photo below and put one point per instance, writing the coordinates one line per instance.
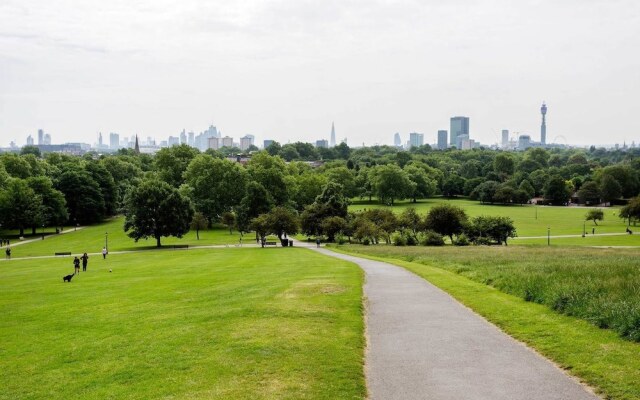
(529, 220)
(199, 324)
(599, 357)
(91, 239)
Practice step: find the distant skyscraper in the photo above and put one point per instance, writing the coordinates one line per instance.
(114, 141)
(416, 139)
(442, 139)
(459, 140)
(543, 128)
(40, 136)
(191, 140)
(183, 137)
(246, 142)
(214, 143)
(396, 140)
(47, 139)
(459, 126)
(505, 138)
(524, 142)
(333, 135)
(29, 141)
(227, 141)
(267, 143)
(322, 143)
(174, 141)
(100, 139)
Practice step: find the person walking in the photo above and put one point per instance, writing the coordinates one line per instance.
(76, 265)
(104, 253)
(317, 242)
(85, 261)
(8, 252)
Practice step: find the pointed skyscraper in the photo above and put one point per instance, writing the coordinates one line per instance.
(543, 127)
(332, 143)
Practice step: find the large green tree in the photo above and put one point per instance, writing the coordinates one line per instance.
(446, 220)
(556, 190)
(20, 206)
(54, 206)
(155, 209)
(171, 162)
(83, 195)
(218, 185)
(391, 183)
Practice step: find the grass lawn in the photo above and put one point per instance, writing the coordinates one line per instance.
(593, 286)
(529, 220)
(198, 324)
(91, 239)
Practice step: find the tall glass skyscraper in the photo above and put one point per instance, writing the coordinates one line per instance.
(459, 126)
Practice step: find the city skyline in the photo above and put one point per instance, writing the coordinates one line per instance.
(284, 70)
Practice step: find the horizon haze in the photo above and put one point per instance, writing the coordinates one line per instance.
(285, 70)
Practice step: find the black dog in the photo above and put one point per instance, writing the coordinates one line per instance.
(67, 278)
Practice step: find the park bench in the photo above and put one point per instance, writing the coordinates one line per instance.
(63, 253)
(269, 243)
(180, 246)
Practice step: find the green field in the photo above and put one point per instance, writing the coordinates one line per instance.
(200, 324)
(92, 239)
(529, 220)
(579, 290)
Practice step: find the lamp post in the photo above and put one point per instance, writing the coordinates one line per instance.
(75, 228)
(584, 229)
(42, 231)
(548, 236)
(106, 241)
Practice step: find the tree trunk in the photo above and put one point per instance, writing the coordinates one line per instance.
(158, 240)
(21, 231)
(33, 230)
(197, 234)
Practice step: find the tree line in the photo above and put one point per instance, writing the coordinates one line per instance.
(181, 188)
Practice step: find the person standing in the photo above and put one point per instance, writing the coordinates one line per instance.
(85, 261)
(76, 265)
(104, 253)
(317, 242)
(8, 252)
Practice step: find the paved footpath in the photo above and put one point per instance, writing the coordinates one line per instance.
(423, 344)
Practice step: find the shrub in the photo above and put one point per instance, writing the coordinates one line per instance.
(432, 238)
(462, 240)
(411, 240)
(366, 241)
(398, 239)
(341, 239)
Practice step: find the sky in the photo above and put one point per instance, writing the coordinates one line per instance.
(286, 70)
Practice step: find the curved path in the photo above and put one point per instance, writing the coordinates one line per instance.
(422, 344)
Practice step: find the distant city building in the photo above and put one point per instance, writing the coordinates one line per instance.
(333, 135)
(322, 143)
(442, 139)
(191, 139)
(416, 139)
(267, 143)
(246, 142)
(40, 136)
(29, 141)
(543, 127)
(227, 141)
(505, 138)
(114, 141)
(99, 139)
(183, 137)
(213, 143)
(524, 142)
(468, 144)
(397, 141)
(173, 141)
(47, 139)
(458, 126)
(459, 140)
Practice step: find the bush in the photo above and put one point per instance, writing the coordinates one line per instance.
(366, 241)
(341, 239)
(482, 241)
(462, 240)
(411, 240)
(398, 239)
(432, 238)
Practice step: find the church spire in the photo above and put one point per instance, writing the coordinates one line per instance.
(137, 147)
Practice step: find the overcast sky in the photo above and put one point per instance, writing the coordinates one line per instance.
(285, 70)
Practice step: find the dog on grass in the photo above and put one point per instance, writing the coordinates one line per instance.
(67, 278)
